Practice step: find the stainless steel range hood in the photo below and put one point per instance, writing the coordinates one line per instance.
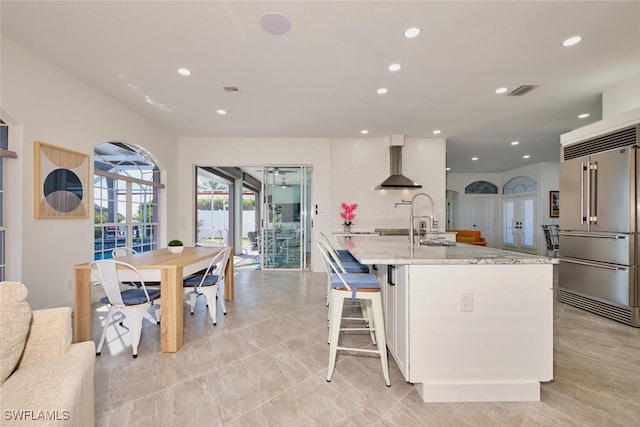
(396, 180)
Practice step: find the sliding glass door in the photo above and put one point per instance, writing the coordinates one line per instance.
(286, 222)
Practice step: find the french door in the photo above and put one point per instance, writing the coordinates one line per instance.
(518, 223)
(285, 235)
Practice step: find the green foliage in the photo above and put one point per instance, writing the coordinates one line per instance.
(145, 213)
(249, 204)
(175, 243)
(100, 218)
(219, 203)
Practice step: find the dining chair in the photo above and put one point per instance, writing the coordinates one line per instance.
(291, 247)
(253, 240)
(122, 251)
(131, 303)
(354, 286)
(268, 249)
(209, 283)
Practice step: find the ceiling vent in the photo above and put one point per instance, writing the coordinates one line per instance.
(231, 89)
(522, 90)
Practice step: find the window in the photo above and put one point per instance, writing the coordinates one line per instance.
(481, 187)
(214, 205)
(126, 195)
(518, 222)
(520, 184)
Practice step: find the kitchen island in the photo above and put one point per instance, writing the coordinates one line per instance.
(464, 323)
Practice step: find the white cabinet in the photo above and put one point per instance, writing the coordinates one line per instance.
(394, 281)
(402, 320)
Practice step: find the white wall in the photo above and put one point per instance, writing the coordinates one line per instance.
(360, 164)
(204, 151)
(621, 98)
(45, 103)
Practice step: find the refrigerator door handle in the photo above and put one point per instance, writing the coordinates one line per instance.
(593, 189)
(582, 173)
(594, 235)
(593, 264)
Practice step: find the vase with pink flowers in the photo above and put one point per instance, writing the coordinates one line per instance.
(348, 215)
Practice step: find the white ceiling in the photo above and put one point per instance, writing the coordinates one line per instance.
(320, 79)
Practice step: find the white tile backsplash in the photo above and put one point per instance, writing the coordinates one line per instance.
(359, 164)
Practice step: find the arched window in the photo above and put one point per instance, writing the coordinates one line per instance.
(125, 192)
(481, 187)
(520, 184)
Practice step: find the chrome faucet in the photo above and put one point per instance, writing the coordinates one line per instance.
(432, 220)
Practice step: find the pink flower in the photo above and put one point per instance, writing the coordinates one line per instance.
(347, 213)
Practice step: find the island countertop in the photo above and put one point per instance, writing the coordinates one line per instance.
(396, 250)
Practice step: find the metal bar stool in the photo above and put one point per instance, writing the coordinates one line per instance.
(346, 262)
(551, 236)
(364, 287)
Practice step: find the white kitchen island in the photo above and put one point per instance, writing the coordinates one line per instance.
(464, 323)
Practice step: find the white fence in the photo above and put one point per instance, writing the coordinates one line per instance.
(209, 221)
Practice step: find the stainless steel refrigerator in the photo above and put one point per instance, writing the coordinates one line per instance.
(598, 249)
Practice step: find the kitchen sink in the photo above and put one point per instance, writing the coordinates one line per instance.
(437, 242)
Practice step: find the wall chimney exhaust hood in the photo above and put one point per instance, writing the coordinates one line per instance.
(397, 181)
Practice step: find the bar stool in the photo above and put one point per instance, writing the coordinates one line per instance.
(343, 255)
(364, 287)
(344, 267)
(346, 263)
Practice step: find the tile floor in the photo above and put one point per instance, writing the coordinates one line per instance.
(264, 364)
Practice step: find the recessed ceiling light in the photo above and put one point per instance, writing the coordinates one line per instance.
(526, 156)
(437, 132)
(515, 142)
(364, 131)
(275, 23)
(382, 91)
(394, 67)
(501, 90)
(221, 112)
(583, 116)
(184, 72)
(571, 41)
(474, 158)
(412, 32)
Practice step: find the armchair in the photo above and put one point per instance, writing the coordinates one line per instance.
(44, 378)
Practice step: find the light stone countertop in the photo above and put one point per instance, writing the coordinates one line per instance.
(396, 250)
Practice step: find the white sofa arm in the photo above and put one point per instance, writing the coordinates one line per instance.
(49, 335)
(58, 392)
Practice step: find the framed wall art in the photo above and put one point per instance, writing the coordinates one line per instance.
(554, 204)
(61, 182)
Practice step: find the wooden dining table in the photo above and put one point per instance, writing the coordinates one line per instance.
(154, 266)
